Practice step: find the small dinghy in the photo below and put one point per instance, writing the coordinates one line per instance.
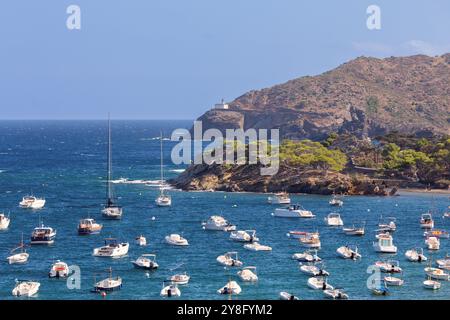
(176, 240)
(255, 246)
(244, 236)
(348, 252)
(393, 281)
(21, 257)
(319, 283)
(426, 221)
(248, 274)
(387, 224)
(381, 290)
(180, 278)
(146, 261)
(444, 263)
(170, 290)
(313, 270)
(141, 241)
(229, 259)
(334, 220)
(287, 296)
(108, 284)
(415, 255)
(25, 288)
(335, 294)
(310, 240)
(437, 274)
(431, 284)
(4, 221)
(354, 231)
(433, 243)
(59, 270)
(218, 223)
(389, 266)
(232, 287)
(335, 201)
(279, 198)
(307, 256)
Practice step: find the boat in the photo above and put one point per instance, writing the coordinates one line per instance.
(313, 270)
(310, 240)
(444, 263)
(146, 261)
(244, 236)
(248, 274)
(393, 281)
(141, 241)
(381, 290)
(415, 255)
(89, 226)
(293, 211)
(385, 244)
(426, 221)
(279, 198)
(335, 201)
(229, 259)
(307, 256)
(335, 294)
(348, 252)
(169, 290)
(163, 200)
(180, 278)
(232, 287)
(354, 231)
(437, 274)
(59, 270)
(287, 296)
(446, 214)
(389, 266)
(256, 246)
(433, 243)
(387, 224)
(441, 234)
(25, 288)
(4, 221)
(319, 283)
(43, 235)
(176, 240)
(334, 220)
(111, 210)
(432, 284)
(21, 257)
(301, 234)
(112, 249)
(108, 284)
(218, 223)
(32, 202)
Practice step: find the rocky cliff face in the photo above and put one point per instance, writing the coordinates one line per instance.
(366, 96)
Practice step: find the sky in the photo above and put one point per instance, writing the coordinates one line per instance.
(173, 59)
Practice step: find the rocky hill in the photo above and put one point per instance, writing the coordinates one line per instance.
(366, 96)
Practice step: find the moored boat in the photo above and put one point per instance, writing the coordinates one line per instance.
(256, 246)
(218, 223)
(4, 221)
(108, 284)
(89, 226)
(169, 290)
(279, 198)
(180, 278)
(43, 235)
(176, 240)
(426, 221)
(307, 256)
(112, 249)
(335, 294)
(287, 296)
(146, 261)
(32, 202)
(25, 288)
(415, 255)
(229, 259)
(244, 236)
(59, 269)
(319, 283)
(293, 211)
(248, 274)
(385, 244)
(334, 220)
(232, 287)
(348, 252)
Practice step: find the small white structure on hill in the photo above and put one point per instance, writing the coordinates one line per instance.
(222, 105)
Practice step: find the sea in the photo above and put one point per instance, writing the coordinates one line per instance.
(65, 162)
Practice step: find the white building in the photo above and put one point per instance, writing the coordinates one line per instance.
(222, 105)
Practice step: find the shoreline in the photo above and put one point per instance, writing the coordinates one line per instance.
(418, 190)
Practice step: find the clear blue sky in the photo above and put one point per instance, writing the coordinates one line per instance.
(173, 59)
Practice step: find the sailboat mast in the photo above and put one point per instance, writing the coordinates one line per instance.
(161, 166)
(109, 193)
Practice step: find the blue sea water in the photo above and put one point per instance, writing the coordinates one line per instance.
(65, 162)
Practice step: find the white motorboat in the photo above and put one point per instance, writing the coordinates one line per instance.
(112, 249)
(387, 224)
(218, 223)
(25, 288)
(393, 281)
(163, 200)
(141, 241)
(319, 283)
(431, 284)
(32, 202)
(43, 235)
(389, 266)
(348, 252)
(415, 255)
(59, 269)
(444, 263)
(248, 274)
(334, 220)
(244, 236)
(176, 240)
(310, 240)
(180, 278)
(89, 226)
(354, 231)
(433, 243)
(436, 273)
(301, 234)
(4, 221)
(313, 270)
(307, 256)
(111, 210)
(146, 261)
(232, 287)
(256, 246)
(108, 284)
(21, 257)
(279, 198)
(426, 221)
(229, 259)
(287, 296)
(170, 290)
(335, 201)
(385, 244)
(335, 294)
(293, 211)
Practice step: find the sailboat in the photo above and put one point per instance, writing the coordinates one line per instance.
(21, 257)
(111, 209)
(163, 200)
